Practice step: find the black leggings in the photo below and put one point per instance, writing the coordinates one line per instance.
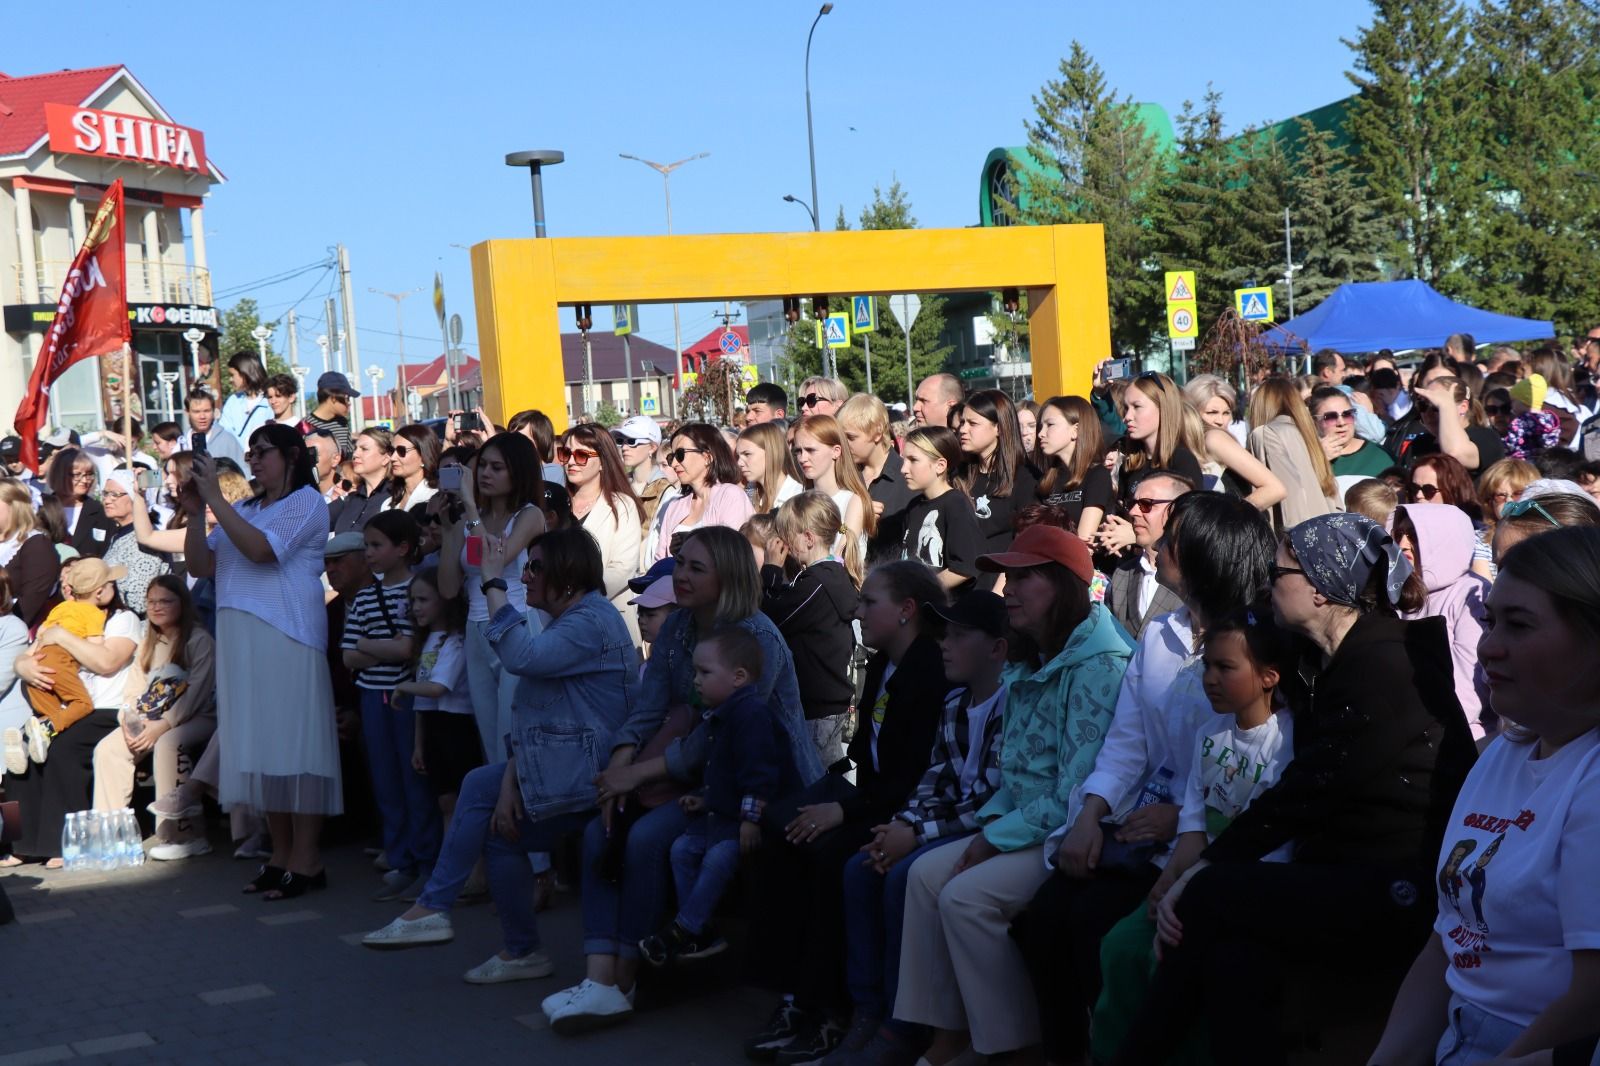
(64, 783)
(1244, 922)
(1059, 935)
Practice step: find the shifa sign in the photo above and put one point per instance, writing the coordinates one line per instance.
(109, 135)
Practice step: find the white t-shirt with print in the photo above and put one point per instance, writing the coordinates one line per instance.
(978, 717)
(109, 691)
(444, 662)
(1230, 767)
(1517, 876)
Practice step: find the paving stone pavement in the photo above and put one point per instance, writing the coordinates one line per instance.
(169, 963)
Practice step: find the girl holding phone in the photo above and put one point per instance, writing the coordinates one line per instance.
(501, 494)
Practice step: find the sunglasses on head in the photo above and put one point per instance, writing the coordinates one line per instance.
(575, 456)
(1518, 508)
(1329, 418)
(1427, 492)
(1146, 505)
(676, 455)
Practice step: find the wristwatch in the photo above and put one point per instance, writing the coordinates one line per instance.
(493, 583)
(471, 524)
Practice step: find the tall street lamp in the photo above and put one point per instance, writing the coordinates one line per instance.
(665, 170)
(399, 317)
(535, 161)
(809, 209)
(811, 142)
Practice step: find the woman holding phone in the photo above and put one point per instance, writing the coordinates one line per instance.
(501, 493)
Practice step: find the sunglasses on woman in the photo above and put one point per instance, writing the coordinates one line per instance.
(629, 442)
(575, 456)
(402, 450)
(811, 399)
(1493, 409)
(1329, 418)
(1427, 492)
(676, 455)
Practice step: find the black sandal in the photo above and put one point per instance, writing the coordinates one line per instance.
(265, 878)
(293, 885)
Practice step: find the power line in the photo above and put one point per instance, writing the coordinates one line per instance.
(270, 280)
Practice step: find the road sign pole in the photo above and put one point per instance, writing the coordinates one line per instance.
(866, 340)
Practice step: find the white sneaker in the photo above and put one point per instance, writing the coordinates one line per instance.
(497, 970)
(16, 752)
(432, 929)
(176, 806)
(186, 850)
(592, 1006)
(37, 738)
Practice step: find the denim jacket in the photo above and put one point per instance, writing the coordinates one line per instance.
(577, 681)
(669, 680)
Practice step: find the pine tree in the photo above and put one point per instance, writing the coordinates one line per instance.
(1195, 219)
(1093, 160)
(1337, 237)
(1416, 124)
(1534, 250)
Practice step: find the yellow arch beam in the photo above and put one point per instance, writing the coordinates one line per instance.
(520, 285)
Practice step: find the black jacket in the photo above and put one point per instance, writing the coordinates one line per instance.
(91, 517)
(813, 612)
(915, 702)
(351, 512)
(1381, 748)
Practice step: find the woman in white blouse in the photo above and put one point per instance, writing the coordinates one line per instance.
(414, 472)
(604, 503)
(275, 723)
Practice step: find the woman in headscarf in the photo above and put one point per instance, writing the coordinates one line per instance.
(1381, 748)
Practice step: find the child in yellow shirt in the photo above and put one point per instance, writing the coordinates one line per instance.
(67, 700)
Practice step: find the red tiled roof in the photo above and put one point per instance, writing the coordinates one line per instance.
(419, 375)
(22, 102)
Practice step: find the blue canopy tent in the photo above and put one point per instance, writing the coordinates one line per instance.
(1366, 316)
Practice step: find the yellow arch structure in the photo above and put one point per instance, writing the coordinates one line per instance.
(520, 285)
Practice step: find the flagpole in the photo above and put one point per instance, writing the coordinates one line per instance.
(127, 406)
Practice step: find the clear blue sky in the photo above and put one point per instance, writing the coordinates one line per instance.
(385, 126)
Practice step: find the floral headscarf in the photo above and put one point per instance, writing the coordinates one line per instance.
(1339, 552)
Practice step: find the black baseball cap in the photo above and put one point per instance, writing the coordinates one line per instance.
(975, 610)
(11, 449)
(661, 568)
(333, 381)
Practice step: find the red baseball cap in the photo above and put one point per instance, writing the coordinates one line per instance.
(1042, 544)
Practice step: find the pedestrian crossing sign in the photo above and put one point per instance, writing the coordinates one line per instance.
(1254, 305)
(864, 309)
(1180, 286)
(836, 330)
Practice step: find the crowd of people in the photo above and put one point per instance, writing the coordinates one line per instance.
(1028, 732)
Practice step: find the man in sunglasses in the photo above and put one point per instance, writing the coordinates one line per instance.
(1134, 595)
(765, 403)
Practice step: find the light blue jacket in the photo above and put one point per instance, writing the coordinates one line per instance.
(1056, 719)
(577, 681)
(669, 680)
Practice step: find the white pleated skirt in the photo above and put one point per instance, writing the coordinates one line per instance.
(275, 724)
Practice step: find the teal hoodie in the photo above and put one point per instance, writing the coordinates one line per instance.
(1055, 721)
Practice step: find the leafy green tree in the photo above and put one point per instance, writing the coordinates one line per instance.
(1095, 161)
(1417, 124)
(238, 323)
(1338, 236)
(1534, 246)
(607, 414)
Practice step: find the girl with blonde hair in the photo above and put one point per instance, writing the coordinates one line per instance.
(1283, 437)
(762, 456)
(825, 462)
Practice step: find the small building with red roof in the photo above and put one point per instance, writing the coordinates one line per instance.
(65, 136)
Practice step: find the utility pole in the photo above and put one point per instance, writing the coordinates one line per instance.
(294, 340)
(351, 348)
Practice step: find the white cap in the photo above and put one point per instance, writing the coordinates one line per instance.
(641, 427)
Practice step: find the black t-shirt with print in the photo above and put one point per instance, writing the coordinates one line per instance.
(889, 488)
(944, 533)
(997, 515)
(1094, 491)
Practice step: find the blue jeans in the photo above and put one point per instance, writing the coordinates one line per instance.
(702, 870)
(617, 916)
(1473, 1035)
(874, 917)
(405, 803)
(510, 876)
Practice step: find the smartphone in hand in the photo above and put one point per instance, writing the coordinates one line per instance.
(450, 478)
(468, 422)
(197, 444)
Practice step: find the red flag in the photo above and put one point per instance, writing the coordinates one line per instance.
(91, 317)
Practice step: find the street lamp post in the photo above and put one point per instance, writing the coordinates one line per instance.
(262, 334)
(300, 373)
(399, 318)
(809, 209)
(535, 161)
(194, 337)
(323, 342)
(375, 372)
(665, 170)
(811, 142)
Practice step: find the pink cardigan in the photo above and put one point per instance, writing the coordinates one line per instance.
(728, 506)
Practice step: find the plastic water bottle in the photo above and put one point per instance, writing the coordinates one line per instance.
(1156, 790)
(72, 841)
(107, 850)
(132, 844)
